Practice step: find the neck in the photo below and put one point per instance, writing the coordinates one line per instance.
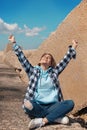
(44, 66)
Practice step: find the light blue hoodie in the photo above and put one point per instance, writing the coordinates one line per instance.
(45, 92)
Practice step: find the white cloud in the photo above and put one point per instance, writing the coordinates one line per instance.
(33, 32)
(6, 28)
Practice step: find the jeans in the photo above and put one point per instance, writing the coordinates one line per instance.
(50, 111)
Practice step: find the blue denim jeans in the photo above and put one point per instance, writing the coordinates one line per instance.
(50, 111)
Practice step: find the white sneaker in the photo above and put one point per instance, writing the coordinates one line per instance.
(35, 123)
(64, 120)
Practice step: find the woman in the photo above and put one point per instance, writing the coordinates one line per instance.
(43, 99)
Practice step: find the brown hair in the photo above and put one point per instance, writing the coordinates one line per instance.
(53, 62)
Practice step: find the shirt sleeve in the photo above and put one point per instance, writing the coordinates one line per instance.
(71, 53)
(23, 60)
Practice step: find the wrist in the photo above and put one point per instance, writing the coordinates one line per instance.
(73, 47)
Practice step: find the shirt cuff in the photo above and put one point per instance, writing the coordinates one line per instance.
(72, 51)
(15, 46)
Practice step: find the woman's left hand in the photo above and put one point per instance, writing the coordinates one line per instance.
(75, 44)
(11, 38)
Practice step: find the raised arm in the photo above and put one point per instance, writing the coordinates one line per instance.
(21, 57)
(71, 53)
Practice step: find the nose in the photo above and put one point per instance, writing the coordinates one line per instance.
(47, 57)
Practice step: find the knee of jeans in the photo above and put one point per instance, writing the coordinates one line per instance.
(28, 105)
(71, 103)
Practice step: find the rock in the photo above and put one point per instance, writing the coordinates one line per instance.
(73, 80)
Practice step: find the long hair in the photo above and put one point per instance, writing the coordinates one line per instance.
(53, 62)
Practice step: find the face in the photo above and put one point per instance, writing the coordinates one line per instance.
(46, 59)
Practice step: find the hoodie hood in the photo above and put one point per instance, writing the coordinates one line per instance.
(43, 73)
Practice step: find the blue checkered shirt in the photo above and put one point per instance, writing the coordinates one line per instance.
(34, 73)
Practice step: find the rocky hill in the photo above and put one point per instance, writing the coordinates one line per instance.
(74, 78)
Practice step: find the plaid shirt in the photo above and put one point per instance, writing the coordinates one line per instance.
(34, 73)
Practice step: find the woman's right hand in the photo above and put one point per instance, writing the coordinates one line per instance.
(11, 38)
(75, 44)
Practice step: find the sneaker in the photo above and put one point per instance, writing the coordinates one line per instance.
(35, 123)
(64, 120)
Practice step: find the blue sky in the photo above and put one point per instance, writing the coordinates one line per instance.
(32, 21)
